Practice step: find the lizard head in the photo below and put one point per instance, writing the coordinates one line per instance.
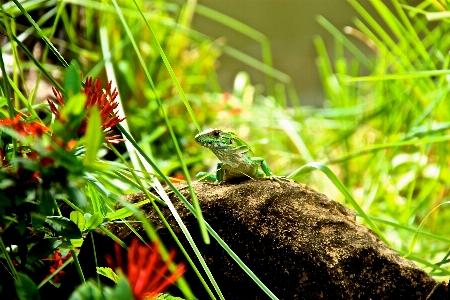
(217, 139)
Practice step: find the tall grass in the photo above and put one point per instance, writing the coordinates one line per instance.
(390, 115)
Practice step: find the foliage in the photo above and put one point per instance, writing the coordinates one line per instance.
(381, 138)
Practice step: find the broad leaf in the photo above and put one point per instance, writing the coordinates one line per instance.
(94, 221)
(87, 291)
(107, 272)
(121, 290)
(26, 289)
(72, 81)
(78, 218)
(76, 196)
(64, 227)
(77, 242)
(43, 249)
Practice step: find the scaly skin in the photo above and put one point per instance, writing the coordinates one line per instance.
(237, 160)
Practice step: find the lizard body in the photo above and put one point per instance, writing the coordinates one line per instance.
(237, 160)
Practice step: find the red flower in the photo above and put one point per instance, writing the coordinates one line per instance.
(58, 262)
(36, 128)
(146, 270)
(104, 99)
(25, 128)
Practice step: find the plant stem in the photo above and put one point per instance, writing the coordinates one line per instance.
(8, 259)
(77, 264)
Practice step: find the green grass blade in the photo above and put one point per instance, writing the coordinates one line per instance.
(161, 216)
(36, 62)
(368, 150)
(417, 74)
(41, 34)
(169, 69)
(247, 31)
(203, 230)
(361, 57)
(413, 243)
(410, 229)
(172, 208)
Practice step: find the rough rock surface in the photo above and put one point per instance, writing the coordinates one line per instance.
(301, 244)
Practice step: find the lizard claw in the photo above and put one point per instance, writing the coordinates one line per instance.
(277, 178)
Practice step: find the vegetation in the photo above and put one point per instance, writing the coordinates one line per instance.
(380, 141)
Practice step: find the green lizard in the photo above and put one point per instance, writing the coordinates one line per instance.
(236, 157)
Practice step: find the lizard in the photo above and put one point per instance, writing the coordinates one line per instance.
(237, 160)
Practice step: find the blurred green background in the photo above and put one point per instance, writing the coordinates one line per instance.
(291, 27)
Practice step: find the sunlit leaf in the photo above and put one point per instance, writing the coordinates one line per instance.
(94, 137)
(95, 198)
(124, 212)
(78, 218)
(94, 221)
(108, 272)
(74, 106)
(77, 242)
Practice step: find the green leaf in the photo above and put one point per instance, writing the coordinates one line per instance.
(95, 198)
(76, 196)
(6, 14)
(108, 272)
(26, 289)
(122, 290)
(41, 33)
(72, 80)
(43, 248)
(64, 227)
(46, 205)
(74, 106)
(76, 242)
(94, 221)
(87, 291)
(78, 218)
(413, 243)
(94, 137)
(124, 212)
(3, 101)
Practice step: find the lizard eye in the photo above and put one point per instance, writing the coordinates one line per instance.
(216, 133)
(231, 141)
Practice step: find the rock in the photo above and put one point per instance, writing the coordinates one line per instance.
(298, 242)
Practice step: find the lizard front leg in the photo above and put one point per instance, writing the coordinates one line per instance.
(218, 177)
(261, 162)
